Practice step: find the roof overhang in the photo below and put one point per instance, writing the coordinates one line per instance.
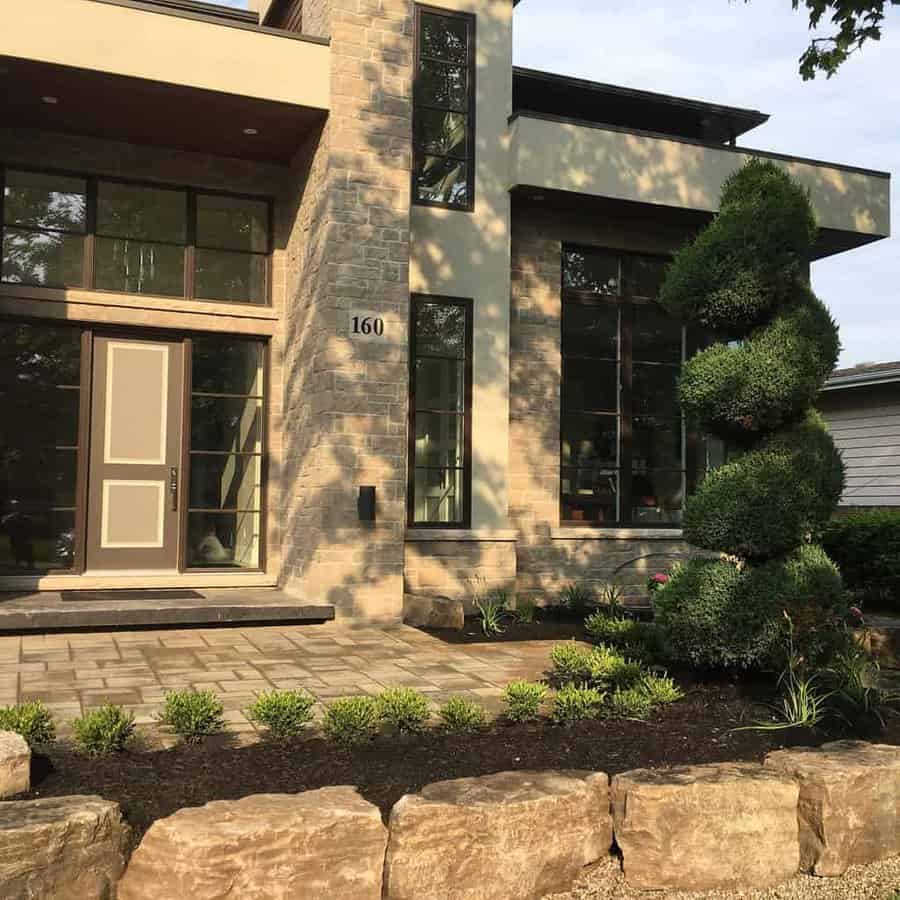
(852, 205)
(162, 74)
(862, 379)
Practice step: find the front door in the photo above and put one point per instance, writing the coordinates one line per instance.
(135, 455)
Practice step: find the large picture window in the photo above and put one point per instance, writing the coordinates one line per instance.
(61, 230)
(626, 458)
(443, 109)
(440, 407)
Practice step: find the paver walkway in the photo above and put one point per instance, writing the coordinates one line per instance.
(76, 671)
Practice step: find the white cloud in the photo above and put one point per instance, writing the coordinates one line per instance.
(746, 55)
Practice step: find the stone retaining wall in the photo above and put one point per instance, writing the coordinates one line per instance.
(508, 836)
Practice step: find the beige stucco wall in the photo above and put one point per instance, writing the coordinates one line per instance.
(623, 166)
(169, 48)
(463, 254)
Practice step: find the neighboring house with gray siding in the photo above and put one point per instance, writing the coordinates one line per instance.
(862, 408)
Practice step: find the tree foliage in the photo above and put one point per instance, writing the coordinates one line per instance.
(854, 23)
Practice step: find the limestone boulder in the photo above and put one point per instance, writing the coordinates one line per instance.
(513, 834)
(425, 611)
(731, 826)
(15, 764)
(64, 848)
(849, 802)
(318, 845)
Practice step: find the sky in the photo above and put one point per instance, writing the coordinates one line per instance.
(745, 54)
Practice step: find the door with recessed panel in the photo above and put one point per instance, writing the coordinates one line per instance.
(135, 456)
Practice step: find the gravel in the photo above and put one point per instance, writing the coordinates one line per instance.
(878, 881)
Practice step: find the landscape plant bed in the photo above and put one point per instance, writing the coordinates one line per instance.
(153, 784)
(547, 626)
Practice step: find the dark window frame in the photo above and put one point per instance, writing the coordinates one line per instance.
(471, 21)
(91, 234)
(467, 305)
(625, 304)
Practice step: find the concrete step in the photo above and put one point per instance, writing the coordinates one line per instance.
(53, 610)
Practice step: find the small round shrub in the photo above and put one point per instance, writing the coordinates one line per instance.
(31, 720)
(283, 714)
(659, 689)
(403, 709)
(351, 720)
(193, 715)
(630, 703)
(609, 667)
(571, 662)
(767, 501)
(574, 703)
(523, 700)
(104, 730)
(644, 640)
(461, 716)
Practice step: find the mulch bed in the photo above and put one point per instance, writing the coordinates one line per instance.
(150, 785)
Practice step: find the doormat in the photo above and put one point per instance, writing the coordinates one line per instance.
(82, 596)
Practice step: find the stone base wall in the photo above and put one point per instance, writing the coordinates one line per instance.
(455, 568)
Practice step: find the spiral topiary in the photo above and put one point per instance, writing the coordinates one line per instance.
(743, 280)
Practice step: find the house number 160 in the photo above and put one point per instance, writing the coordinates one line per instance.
(367, 325)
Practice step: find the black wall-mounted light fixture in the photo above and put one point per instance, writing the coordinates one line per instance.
(365, 505)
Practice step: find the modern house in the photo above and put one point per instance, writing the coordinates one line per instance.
(862, 408)
(329, 296)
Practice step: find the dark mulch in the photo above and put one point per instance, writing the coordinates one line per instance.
(151, 785)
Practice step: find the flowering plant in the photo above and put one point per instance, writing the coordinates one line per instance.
(655, 582)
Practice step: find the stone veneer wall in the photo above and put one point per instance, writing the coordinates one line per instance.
(453, 568)
(548, 557)
(346, 403)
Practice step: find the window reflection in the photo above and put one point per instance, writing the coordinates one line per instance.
(40, 375)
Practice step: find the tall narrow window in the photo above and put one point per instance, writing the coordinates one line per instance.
(40, 387)
(44, 223)
(226, 453)
(443, 110)
(440, 403)
(624, 451)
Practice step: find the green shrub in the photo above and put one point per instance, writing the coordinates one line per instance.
(192, 714)
(523, 700)
(104, 730)
(31, 720)
(403, 709)
(574, 703)
(766, 383)
(630, 703)
(736, 273)
(765, 502)
(351, 720)
(866, 548)
(642, 639)
(608, 667)
(461, 716)
(571, 662)
(283, 714)
(659, 689)
(525, 611)
(492, 610)
(717, 616)
(578, 599)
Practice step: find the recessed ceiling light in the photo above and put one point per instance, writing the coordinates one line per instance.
(50, 99)
(251, 131)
